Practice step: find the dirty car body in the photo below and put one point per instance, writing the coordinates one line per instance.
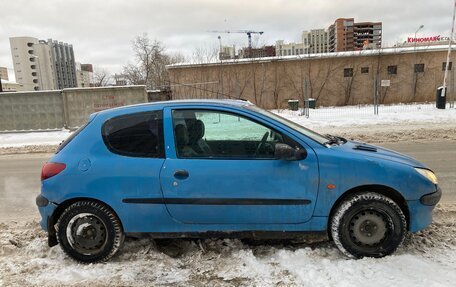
(199, 167)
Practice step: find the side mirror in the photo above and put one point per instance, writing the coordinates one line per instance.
(286, 152)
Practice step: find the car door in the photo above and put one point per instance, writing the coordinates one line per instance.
(236, 180)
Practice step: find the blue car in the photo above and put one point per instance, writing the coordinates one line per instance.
(205, 168)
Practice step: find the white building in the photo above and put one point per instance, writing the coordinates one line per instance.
(33, 65)
(43, 65)
(8, 86)
(289, 49)
(84, 75)
(316, 41)
(227, 52)
(312, 42)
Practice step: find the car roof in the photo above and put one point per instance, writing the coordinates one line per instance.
(163, 104)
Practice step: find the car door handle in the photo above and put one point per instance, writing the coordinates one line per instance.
(181, 174)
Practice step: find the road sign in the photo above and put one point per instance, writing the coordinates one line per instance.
(385, 83)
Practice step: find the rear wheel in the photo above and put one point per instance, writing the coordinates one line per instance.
(368, 225)
(89, 232)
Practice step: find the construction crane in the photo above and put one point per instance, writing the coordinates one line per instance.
(248, 32)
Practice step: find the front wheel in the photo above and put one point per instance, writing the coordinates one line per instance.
(89, 232)
(368, 225)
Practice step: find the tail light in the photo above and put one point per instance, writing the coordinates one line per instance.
(51, 168)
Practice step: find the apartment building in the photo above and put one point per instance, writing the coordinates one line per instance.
(84, 75)
(43, 65)
(315, 41)
(346, 35)
(289, 49)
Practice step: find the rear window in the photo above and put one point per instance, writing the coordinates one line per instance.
(135, 135)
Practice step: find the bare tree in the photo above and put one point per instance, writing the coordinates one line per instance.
(150, 66)
(101, 77)
(204, 54)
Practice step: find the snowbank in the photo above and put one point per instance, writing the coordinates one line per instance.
(426, 259)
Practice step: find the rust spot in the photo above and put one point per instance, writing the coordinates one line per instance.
(331, 186)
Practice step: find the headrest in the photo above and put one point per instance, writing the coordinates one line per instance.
(181, 135)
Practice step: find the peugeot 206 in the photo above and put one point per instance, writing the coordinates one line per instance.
(199, 168)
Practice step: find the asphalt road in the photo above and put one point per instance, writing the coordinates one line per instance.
(20, 176)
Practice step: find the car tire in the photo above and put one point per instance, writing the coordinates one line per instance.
(89, 232)
(368, 225)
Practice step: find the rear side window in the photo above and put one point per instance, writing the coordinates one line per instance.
(135, 135)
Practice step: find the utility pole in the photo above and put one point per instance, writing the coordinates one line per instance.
(447, 64)
(414, 75)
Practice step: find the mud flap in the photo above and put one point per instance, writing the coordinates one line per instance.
(52, 237)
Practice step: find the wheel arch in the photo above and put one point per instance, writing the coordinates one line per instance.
(381, 189)
(61, 208)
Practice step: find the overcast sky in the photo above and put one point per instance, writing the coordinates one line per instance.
(101, 31)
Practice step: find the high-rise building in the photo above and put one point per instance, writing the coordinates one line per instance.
(4, 73)
(315, 41)
(346, 35)
(64, 64)
(43, 65)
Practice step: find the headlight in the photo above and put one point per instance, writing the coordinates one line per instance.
(427, 174)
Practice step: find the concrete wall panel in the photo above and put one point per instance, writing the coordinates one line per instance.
(31, 111)
(80, 103)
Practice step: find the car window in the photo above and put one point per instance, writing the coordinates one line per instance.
(135, 135)
(309, 133)
(218, 134)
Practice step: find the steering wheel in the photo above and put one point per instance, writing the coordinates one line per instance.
(262, 142)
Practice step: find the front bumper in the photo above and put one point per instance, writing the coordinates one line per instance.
(431, 198)
(421, 210)
(46, 209)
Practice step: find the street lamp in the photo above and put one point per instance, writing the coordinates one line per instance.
(414, 64)
(414, 38)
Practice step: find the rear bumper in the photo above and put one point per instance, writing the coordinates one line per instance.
(46, 209)
(421, 210)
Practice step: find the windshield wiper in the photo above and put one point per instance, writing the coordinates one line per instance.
(334, 140)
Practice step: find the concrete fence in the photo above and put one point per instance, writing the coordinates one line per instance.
(43, 110)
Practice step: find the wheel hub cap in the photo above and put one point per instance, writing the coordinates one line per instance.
(368, 228)
(86, 233)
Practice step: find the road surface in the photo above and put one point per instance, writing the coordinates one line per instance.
(20, 175)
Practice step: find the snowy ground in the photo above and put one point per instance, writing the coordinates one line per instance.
(427, 258)
(364, 115)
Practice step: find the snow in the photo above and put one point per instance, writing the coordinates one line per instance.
(426, 258)
(349, 116)
(18, 139)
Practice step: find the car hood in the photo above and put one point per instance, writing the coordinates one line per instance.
(377, 152)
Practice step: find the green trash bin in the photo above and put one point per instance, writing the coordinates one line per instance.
(312, 103)
(293, 105)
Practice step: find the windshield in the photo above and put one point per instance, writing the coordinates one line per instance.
(305, 131)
